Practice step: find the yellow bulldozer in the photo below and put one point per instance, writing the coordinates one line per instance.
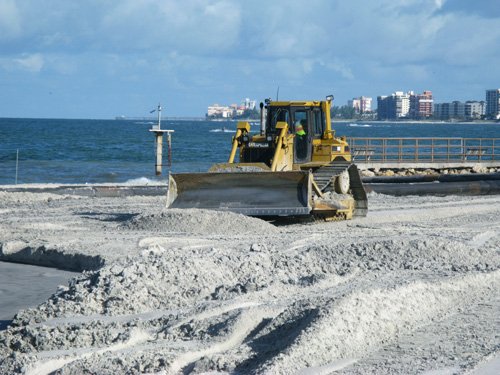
(293, 166)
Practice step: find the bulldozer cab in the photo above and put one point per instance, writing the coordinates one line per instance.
(306, 121)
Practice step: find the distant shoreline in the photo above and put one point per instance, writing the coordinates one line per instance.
(193, 118)
(435, 122)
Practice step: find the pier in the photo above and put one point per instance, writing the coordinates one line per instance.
(437, 153)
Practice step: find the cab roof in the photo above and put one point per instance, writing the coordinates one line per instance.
(296, 103)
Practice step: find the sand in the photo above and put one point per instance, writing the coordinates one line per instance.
(412, 288)
(24, 286)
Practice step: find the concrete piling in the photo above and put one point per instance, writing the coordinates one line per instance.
(159, 143)
(159, 153)
(159, 148)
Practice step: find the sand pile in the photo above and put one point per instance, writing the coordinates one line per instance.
(171, 278)
(312, 298)
(198, 221)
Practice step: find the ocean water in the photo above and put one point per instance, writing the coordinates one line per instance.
(107, 151)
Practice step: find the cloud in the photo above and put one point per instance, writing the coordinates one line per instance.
(267, 30)
(32, 63)
(211, 49)
(482, 8)
(121, 26)
(340, 67)
(10, 25)
(191, 25)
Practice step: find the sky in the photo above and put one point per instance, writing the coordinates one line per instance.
(99, 59)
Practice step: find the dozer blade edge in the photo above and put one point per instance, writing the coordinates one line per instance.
(248, 193)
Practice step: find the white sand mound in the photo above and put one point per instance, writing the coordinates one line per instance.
(350, 326)
(253, 311)
(398, 293)
(199, 221)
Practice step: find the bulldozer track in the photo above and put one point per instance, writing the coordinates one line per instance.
(323, 178)
(323, 175)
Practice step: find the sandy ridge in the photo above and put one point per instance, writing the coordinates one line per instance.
(197, 291)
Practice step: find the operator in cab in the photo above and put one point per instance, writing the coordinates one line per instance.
(299, 129)
(300, 141)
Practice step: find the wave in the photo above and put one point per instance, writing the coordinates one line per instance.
(360, 125)
(141, 181)
(223, 130)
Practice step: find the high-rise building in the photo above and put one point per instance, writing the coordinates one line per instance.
(421, 105)
(442, 111)
(457, 109)
(474, 110)
(395, 106)
(382, 107)
(447, 111)
(223, 111)
(362, 104)
(493, 104)
(402, 101)
(248, 104)
(219, 111)
(469, 110)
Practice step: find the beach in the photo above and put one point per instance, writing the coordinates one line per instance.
(23, 286)
(412, 288)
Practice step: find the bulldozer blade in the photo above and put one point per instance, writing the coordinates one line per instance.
(358, 192)
(248, 193)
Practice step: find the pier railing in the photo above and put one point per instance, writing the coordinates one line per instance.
(461, 151)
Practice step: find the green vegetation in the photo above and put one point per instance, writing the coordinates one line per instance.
(346, 112)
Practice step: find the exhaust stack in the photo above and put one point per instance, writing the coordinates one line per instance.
(262, 123)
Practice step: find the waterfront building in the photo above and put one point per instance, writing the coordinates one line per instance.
(447, 111)
(363, 104)
(219, 111)
(457, 109)
(230, 111)
(493, 104)
(442, 111)
(470, 110)
(382, 107)
(354, 103)
(249, 104)
(475, 110)
(393, 107)
(421, 105)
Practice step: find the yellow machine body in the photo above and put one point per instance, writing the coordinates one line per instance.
(294, 166)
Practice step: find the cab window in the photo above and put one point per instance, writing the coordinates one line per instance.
(300, 117)
(275, 115)
(318, 120)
